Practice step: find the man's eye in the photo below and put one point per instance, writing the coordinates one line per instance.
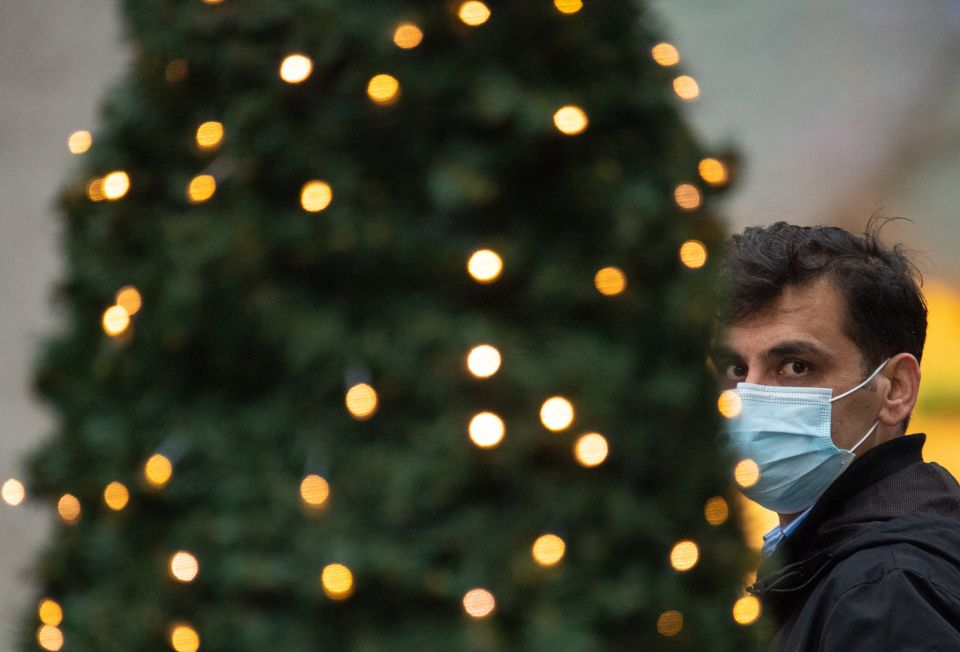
(734, 371)
(795, 368)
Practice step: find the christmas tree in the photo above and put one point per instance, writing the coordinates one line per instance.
(384, 328)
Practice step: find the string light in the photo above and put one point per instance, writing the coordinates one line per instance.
(713, 172)
(474, 13)
(548, 549)
(610, 281)
(746, 610)
(50, 638)
(684, 555)
(746, 473)
(686, 88)
(209, 134)
(158, 470)
(483, 360)
(184, 638)
(486, 429)
(665, 54)
(407, 36)
(13, 492)
(95, 189)
(716, 510)
(116, 185)
(295, 68)
(478, 603)
(591, 449)
(383, 89)
(314, 490)
(485, 265)
(316, 196)
(729, 403)
(361, 401)
(212, 2)
(79, 141)
(556, 413)
(337, 581)
(128, 298)
(570, 120)
(669, 623)
(693, 254)
(115, 320)
(568, 6)
(201, 188)
(176, 70)
(69, 508)
(184, 567)
(687, 196)
(116, 496)
(50, 612)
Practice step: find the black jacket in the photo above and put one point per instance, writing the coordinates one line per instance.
(875, 565)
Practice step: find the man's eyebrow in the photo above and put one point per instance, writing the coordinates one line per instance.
(793, 347)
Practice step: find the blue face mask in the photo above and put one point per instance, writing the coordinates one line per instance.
(786, 431)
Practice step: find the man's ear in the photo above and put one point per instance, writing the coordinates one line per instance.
(903, 372)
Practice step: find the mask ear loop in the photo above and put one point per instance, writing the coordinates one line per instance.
(864, 438)
(869, 378)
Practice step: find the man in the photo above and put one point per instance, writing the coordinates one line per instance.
(821, 342)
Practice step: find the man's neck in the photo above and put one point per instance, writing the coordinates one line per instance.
(787, 519)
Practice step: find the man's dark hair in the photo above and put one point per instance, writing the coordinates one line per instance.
(885, 310)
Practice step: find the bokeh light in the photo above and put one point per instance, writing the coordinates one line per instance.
(316, 196)
(50, 638)
(568, 6)
(687, 196)
(13, 492)
(209, 134)
(485, 265)
(184, 567)
(610, 281)
(201, 188)
(115, 320)
(184, 638)
(116, 184)
(591, 449)
(693, 254)
(314, 490)
(50, 612)
(729, 403)
(407, 36)
(95, 189)
(556, 413)
(69, 508)
(79, 141)
(665, 54)
(746, 473)
(716, 510)
(158, 470)
(684, 555)
(478, 603)
(746, 610)
(295, 68)
(483, 360)
(383, 89)
(337, 581)
(713, 172)
(570, 120)
(669, 623)
(361, 401)
(176, 70)
(128, 298)
(686, 88)
(548, 549)
(474, 13)
(486, 429)
(116, 496)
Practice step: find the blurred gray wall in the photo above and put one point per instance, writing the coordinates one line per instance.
(838, 107)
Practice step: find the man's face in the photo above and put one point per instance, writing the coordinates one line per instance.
(799, 342)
